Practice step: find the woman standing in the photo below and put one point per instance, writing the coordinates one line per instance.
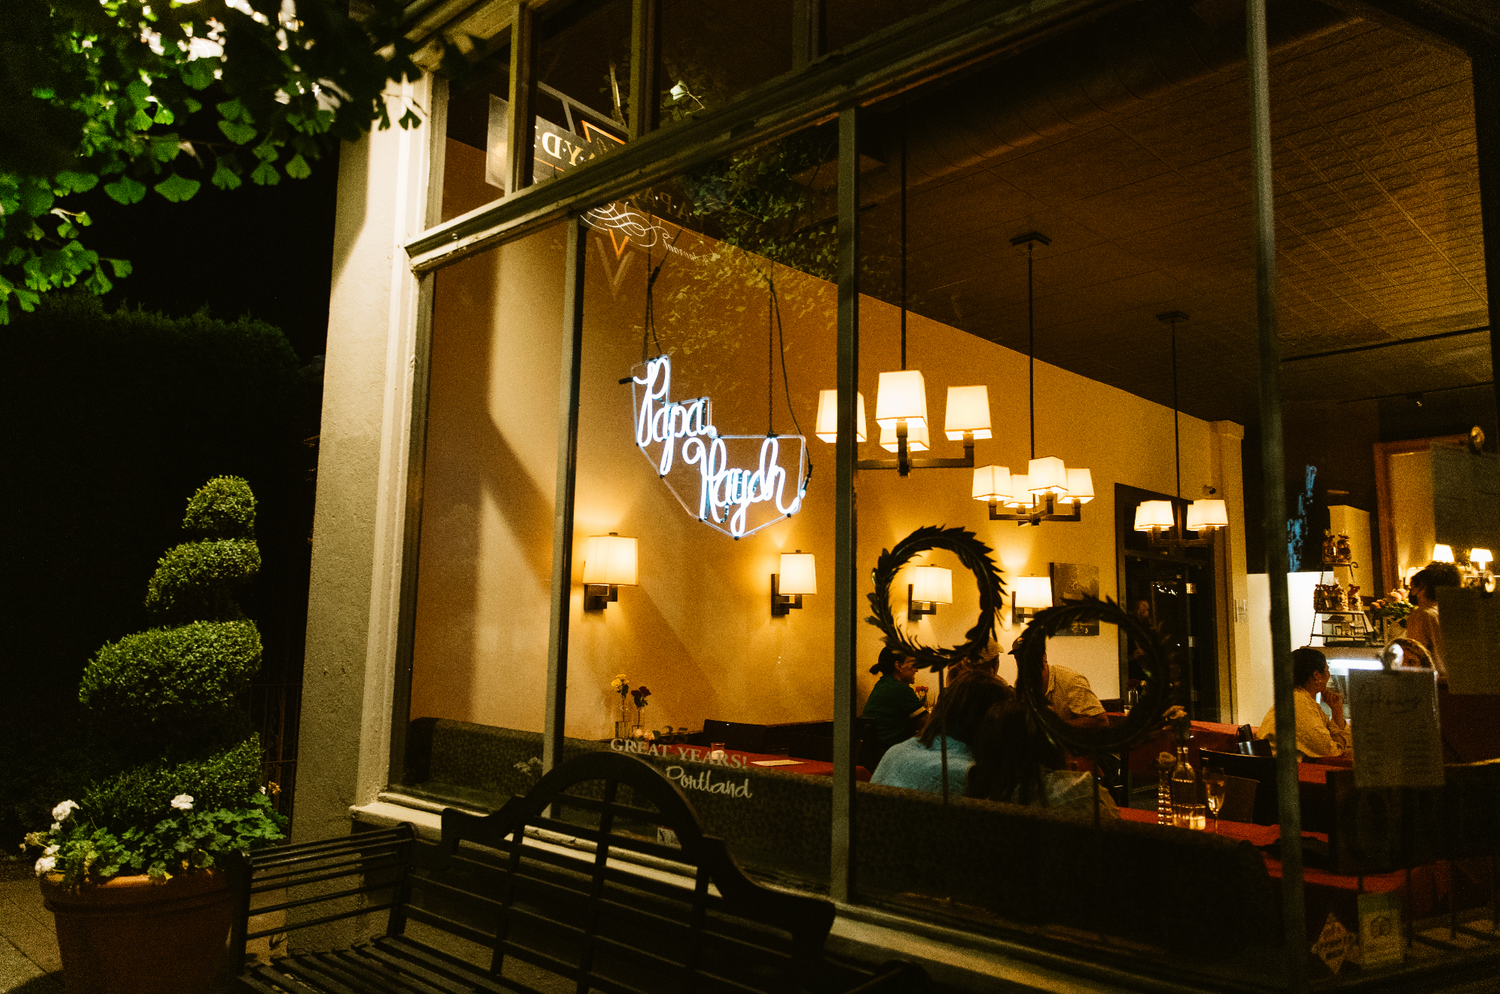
(1422, 624)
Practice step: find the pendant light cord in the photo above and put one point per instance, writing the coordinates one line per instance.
(903, 231)
(648, 330)
(1031, 346)
(1176, 440)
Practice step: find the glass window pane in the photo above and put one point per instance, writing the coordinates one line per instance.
(714, 52)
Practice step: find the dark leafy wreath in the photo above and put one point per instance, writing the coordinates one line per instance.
(975, 556)
(1144, 720)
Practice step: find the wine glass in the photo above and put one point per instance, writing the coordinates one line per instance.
(1214, 783)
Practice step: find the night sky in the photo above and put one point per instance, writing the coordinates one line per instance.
(262, 251)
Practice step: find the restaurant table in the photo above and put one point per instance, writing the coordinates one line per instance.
(759, 762)
(1464, 881)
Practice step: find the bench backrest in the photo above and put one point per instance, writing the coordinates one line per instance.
(529, 905)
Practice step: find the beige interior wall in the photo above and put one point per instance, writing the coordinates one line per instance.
(1411, 508)
(698, 629)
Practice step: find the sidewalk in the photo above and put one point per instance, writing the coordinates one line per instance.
(28, 944)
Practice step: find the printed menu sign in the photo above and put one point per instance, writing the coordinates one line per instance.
(1395, 721)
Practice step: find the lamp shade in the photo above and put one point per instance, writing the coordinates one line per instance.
(1153, 514)
(1080, 487)
(1480, 557)
(992, 483)
(1204, 514)
(799, 574)
(828, 416)
(610, 559)
(1020, 496)
(1047, 475)
(1442, 553)
(916, 437)
(900, 395)
(932, 583)
(1033, 591)
(968, 410)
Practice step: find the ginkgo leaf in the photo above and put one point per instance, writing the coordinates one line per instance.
(77, 182)
(297, 168)
(240, 134)
(226, 178)
(266, 174)
(177, 188)
(125, 190)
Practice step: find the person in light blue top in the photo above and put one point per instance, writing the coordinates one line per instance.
(917, 763)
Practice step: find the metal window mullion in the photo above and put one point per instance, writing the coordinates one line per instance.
(521, 114)
(845, 586)
(645, 66)
(1293, 912)
(570, 379)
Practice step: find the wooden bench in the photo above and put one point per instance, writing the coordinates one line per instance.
(600, 878)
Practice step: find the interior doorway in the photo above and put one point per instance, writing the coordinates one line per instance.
(1173, 588)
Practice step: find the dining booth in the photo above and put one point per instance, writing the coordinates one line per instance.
(676, 371)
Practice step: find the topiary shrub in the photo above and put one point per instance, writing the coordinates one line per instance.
(169, 702)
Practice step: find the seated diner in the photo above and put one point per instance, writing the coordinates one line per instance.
(1015, 762)
(1319, 736)
(893, 706)
(917, 763)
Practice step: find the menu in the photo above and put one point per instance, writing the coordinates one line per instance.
(1395, 721)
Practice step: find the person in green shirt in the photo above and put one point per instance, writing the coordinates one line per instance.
(892, 704)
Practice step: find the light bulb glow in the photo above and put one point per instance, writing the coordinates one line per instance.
(799, 574)
(828, 416)
(968, 410)
(1442, 553)
(1480, 557)
(932, 584)
(992, 483)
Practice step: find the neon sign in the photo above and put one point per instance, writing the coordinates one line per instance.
(740, 483)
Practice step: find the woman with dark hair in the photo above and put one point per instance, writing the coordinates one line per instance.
(892, 704)
(917, 763)
(1015, 762)
(1422, 624)
(1318, 735)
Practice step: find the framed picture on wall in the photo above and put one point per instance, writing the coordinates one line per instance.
(1073, 580)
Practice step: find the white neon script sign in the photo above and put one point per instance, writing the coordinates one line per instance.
(735, 495)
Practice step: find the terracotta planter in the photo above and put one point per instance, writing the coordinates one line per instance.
(132, 936)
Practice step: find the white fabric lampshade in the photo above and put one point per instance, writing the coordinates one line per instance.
(1033, 591)
(968, 410)
(1047, 475)
(1480, 557)
(932, 583)
(1442, 553)
(900, 395)
(828, 416)
(1080, 487)
(916, 437)
(1020, 493)
(610, 559)
(799, 574)
(992, 483)
(1152, 514)
(1204, 514)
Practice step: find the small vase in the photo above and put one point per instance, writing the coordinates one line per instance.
(622, 729)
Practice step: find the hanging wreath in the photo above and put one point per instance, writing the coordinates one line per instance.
(975, 556)
(1143, 721)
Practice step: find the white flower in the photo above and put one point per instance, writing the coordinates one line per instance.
(45, 865)
(61, 812)
(56, 827)
(183, 802)
(51, 850)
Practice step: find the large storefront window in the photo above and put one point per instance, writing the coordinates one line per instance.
(1090, 263)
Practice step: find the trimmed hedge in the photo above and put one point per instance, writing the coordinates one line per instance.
(171, 674)
(229, 778)
(195, 579)
(224, 506)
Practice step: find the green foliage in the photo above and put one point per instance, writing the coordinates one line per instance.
(226, 779)
(223, 507)
(196, 579)
(172, 674)
(138, 95)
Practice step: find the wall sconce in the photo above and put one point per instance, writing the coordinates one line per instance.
(609, 563)
(1032, 593)
(930, 586)
(798, 576)
(1442, 553)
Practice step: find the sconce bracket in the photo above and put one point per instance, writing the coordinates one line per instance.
(918, 609)
(782, 604)
(598, 596)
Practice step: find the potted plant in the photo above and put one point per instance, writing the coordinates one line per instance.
(131, 871)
